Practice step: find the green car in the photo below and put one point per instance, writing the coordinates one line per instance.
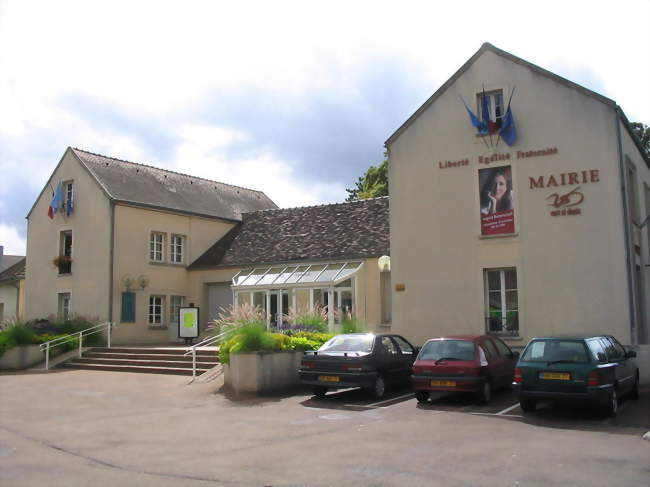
(581, 368)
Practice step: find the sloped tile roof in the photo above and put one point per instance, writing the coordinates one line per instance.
(357, 229)
(7, 261)
(15, 271)
(149, 186)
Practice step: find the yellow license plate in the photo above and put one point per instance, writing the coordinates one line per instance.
(328, 378)
(555, 376)
(443, 383)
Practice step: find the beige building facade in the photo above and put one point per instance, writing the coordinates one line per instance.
(112, 240)
(567, 251)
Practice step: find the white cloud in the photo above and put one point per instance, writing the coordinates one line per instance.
(203, 152)
(13, 243)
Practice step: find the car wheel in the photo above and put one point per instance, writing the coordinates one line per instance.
(527, 405)
(611, 408)
(485, 394)
(378, 388)
(422, 396)
(634, 393)
(319, 391)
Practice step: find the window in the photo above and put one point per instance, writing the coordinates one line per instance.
(175, 304)
(68, 195)
(494, 105)
(64, 307)
(490, 350)
(156, 306)
(501, 298)
(503, 349)
(64, 261)
(552, 350)
(403, 345)
(388, 346)
(598, 350)
(176, 250)
(156, 246)
(615, 351)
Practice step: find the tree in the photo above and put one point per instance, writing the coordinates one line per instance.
(642, 132)
(372, 184)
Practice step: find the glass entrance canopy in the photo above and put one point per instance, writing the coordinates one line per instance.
(295, 275)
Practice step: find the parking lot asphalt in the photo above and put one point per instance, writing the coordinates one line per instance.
(77, 427)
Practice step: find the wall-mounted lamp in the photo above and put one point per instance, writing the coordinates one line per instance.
(143, 281)
(127, 282)
(384, 263)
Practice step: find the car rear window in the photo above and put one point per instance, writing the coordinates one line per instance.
(448, 349)
(555, 351)
(348, 343)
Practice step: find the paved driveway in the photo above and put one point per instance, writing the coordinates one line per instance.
(76, 427)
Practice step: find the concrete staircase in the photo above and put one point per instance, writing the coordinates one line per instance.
(153, 360)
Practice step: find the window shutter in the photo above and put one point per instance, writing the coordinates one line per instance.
(128, 307)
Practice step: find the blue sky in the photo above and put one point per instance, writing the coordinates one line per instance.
(291, 98)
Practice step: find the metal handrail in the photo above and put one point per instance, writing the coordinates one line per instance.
(204, 343)
(67, 338)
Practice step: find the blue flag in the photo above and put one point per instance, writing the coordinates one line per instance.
(508, 130)
(56, 198)
(481, 126)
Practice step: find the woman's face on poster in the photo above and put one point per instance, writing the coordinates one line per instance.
(500, 186)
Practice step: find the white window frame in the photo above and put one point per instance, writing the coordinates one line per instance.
(69, 192)
(175, 303)
(503, 308)
(492, 103)
(160, 313)
(64, 305)
(154, 251)
(177, 249)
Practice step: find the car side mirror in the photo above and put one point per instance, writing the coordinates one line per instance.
(515, 355)
(630, 354)
(416, 350)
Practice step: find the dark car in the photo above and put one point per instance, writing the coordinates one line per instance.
(593, 368)
(463, 363)
(368, 360)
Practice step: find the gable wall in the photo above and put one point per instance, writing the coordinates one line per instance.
(90, 226)
(570, 269)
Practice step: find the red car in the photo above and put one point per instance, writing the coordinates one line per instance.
(463, 363)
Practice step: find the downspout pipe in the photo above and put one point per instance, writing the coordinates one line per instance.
(626, 228)
(111, 262)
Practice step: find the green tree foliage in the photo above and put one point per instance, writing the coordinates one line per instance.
(642, 132)
(372, 184)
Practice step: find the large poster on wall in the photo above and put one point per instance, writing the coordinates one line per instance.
(497, 212)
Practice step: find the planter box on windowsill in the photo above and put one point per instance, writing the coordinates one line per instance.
(21, 357)
(262, 372)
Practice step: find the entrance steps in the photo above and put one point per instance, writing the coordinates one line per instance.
(153, 360)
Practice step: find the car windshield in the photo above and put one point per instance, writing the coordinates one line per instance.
(556, 351)
(447, 349)
(348, 343)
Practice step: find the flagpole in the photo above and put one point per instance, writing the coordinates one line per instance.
(511, 93)
(483, 114)
(482, 138)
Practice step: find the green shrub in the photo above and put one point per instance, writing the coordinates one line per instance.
(16, 334)
(250, 337)
(351, 325)
(318, 338)
(301, 343)
(302, 318)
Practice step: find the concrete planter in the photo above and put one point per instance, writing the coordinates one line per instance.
(262, 372)
(21, 357)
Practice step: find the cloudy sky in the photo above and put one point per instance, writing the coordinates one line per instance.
(292, 98)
